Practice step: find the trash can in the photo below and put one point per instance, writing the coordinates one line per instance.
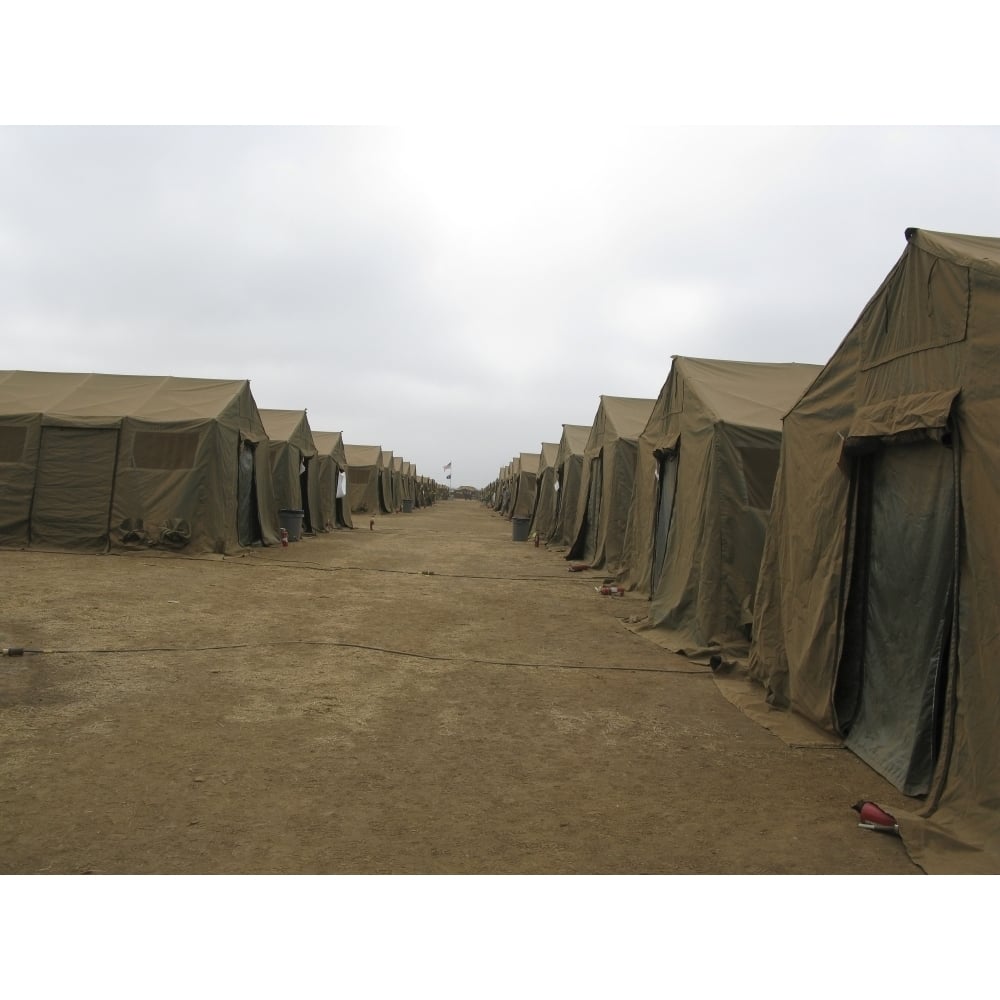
(519, 532)
(291, 521)
(407, 506)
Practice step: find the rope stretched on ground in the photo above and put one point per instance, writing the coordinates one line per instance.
(15, 651)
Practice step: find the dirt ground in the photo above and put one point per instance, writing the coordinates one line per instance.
(425, 697)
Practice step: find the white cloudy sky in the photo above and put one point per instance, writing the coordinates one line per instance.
(457, 289)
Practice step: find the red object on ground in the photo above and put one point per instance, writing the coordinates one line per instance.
(284, 538)
(874, 817)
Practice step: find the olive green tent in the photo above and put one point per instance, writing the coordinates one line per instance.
(569, 473)
(502, 496)
(293, 451)
(523, 502)
(409, 481)
(606, 481)
(364, 479)
(704, 474)
(398, 492)
(543, 517)
(390, 490)
(91, 462)
(332, 472)
(510, 494)
(877, 614)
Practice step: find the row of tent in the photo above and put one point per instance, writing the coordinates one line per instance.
(93, 462)
(832, 530)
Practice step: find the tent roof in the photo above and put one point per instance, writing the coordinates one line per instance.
(618, 418)
(291, 426)
(148, 397)
(549, 454)
(979, 252)
(573, 440)
(528, 462)
(331, 443)
(746, 393)
(359, 455)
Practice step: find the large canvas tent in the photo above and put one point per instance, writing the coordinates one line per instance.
(512, 471)
(293, 451)
(91, 462)
(502, 498)
(606, 481)
(878, 607)
(331, 473)
(365, 485)
(390, 485)
(704, 475)
(569, 475)
(543, 518)
(409, 483)
(397, 482)
(523, 502)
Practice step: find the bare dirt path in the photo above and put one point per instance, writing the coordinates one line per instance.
(426, 697)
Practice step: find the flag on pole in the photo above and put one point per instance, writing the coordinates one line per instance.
(447, 467)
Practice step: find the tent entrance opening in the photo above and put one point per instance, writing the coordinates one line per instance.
(900, 612)
(72, 503)
(667, 487)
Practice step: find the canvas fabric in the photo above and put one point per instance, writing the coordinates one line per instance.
(364, 477)
(92, 462)
(569, 475)
(543, 517)
(331, 465)
(606, 481)
(705, 471)
(877, 613)
(523, 503)
(292, 448)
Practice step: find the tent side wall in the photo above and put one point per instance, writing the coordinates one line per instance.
(162, 470)
(174, 481)
(801, 579)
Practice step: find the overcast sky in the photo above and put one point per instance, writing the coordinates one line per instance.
(458, 294)
(535, 216)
